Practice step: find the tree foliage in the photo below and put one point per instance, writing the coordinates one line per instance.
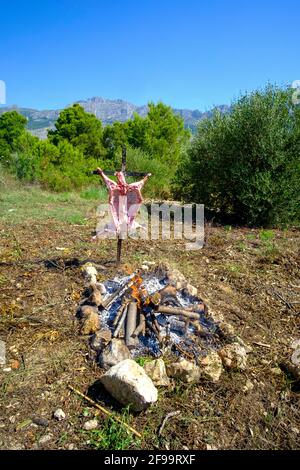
(161, 134)
(247, 164)
(82, 130)
(12, 126)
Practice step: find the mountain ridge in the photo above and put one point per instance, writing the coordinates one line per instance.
(107, 110)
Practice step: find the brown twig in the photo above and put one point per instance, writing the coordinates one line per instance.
(168, 416)
(104, 410)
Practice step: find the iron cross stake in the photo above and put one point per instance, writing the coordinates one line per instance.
(121, 188)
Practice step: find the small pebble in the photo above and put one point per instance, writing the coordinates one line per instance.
(276, 371)
(40, 421)
(91, 424)
(248, 386)
(72, 447)
(45, 439)
(59, 414)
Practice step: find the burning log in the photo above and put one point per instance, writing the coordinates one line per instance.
(119, 313)
(118, 292)
(168, 296)
(120, 323)
(155, 323)
(178, 311)
(141, 328)
(131, 325)
(154, 330)
(202, 307)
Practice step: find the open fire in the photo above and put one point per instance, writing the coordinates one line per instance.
(153, 313)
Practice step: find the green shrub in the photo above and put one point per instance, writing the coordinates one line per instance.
(247, 164)
(159, 185)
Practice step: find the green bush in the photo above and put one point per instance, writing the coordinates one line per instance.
(246, 164)
(159, 185)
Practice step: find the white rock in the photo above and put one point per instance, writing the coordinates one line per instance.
(101, 287)
(211, 447)
(91, 424)
(2, 353)
(276, 371)
(144, 267)
(59, 414)
(184, 370)
(156, 370)
(90, 273)
(234, 356)
(45, 439)
(191, 290)
(129, 384)
(116, 351)
(295, 344)
(248, 386)
(211, 367)
(7, 369)
(295, 358)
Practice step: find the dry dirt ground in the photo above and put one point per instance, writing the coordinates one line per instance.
(250, 276)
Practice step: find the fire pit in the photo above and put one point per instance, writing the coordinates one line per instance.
(152, 311)
(155, 317)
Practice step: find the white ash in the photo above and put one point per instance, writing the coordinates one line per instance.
(172, 329)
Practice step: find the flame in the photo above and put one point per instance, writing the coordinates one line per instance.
(137, 288)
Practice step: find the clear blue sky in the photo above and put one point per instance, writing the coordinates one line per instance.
(188, 53)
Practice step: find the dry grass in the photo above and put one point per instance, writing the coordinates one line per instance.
(250, 278)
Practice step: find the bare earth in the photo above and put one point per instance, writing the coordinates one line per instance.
(250, 277)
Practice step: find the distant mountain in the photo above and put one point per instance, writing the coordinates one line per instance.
(108, 111)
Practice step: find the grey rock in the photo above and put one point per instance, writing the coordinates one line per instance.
(100, 339)
(129, 384)
(40, 421)
(115, 352)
